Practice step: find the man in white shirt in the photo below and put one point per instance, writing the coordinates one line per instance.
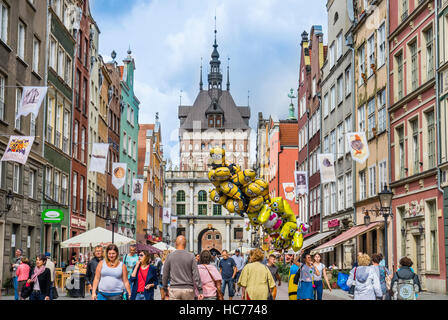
(239, 261)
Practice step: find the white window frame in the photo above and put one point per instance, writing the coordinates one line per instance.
(348, 81)
(349, 191)
(382, 112)
(340, 140)
(340, 85)
(339, 45)
(362, 118)
(4, 13)
(341, 196)
(371, 54)
(331, 55)
(326, 105)
(372, 181)
(18, 121)
(332, 98)
(21, 40)
(361, 64)
(31, 183)
(16, 178)
(348, 128)
(382, 175)
(381, 36)
(2, 96)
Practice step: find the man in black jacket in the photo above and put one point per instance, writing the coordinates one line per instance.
(91, 266)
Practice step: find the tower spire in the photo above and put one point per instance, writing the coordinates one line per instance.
(200, 81)
(215, 75)
(228, 79)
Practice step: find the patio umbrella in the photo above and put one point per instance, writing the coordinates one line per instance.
(164, 246)
(94, 237)
(147, 247)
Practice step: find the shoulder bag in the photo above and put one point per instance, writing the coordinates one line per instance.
(219, 295)
(351, 291)
(270, 297)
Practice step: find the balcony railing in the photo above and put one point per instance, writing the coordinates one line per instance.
(49, 133)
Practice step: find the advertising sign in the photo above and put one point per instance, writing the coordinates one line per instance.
(52, 216)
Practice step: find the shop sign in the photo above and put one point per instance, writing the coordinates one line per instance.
(78, 222)
(333, 223)
(52, 216)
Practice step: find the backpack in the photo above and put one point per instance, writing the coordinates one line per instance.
(405, 289)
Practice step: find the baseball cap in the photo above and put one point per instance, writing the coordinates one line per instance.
(237, 250)
(47, 254)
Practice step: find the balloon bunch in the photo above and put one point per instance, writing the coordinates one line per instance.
(241, 192)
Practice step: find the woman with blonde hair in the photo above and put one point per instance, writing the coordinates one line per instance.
(111, 277)
(365, 279)
(256, 279)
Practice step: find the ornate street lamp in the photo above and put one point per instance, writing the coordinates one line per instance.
(112, 218)
(8, 205)
(385, 206)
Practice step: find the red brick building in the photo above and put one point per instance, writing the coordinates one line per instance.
(80, 130)
(417, 203)
(313, 54)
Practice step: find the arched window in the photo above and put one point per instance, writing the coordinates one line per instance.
(202, 206)
(180, 196)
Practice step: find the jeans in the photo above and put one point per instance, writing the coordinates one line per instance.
(318, 291)
(37, 295)
(103, 295)
(51, 290)
(140, 296)
(229, 283)
(16, 285)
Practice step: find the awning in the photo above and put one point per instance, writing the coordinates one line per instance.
(94, 237)
(308, 242)
(347, 235)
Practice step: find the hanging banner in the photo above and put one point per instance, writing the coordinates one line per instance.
(357, 142)
(119, 174)
(18, 149)
(173, 222)
(166, 216)
(98, 159)
(301, 180)
(326, 166)
(289, 189)
(137, 189)
(32, 98)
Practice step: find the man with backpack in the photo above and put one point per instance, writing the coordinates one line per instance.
(405, 283)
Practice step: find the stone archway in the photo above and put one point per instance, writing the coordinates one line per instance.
(210, 239)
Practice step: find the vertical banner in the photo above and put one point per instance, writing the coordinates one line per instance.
(137, 189)
(166, 215)
(18, 149)
(357, 143)
(119, 174)
(98, 158)
(326, 166)
(301, 180)
(174, 222)
(288, 188)
(31, 100)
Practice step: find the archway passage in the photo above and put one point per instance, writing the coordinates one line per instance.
(210, 239)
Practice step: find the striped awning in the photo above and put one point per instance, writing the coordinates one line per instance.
(308, 242)
(347, 235)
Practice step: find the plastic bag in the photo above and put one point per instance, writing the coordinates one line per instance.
(342, 281)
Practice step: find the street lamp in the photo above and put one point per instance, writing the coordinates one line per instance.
(113, 214)
(8, 205)
(385, 206)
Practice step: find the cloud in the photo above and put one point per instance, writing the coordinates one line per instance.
(168, 39)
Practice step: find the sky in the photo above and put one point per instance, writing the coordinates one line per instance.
(169, 37)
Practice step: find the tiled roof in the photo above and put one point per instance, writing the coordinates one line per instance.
(289, 133)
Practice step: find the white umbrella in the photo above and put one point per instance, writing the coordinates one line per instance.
(94, 237)
(164, 246)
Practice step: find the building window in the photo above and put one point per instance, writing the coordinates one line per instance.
(314, 86)
(341, 193)
(81, 194)
(124, 142)
(415, 146)
(381, 45)
(372, 181)
(333, 142)
(382, 120)
(348, 81)
(48, 177)
(333, 197)
(32, 125)
(341, 144)
(61, 66)
(16, 179)
(3, 23)
(64, 190)
(180, 196)
(74, 192)
(36, 46)
(333, 98)
(202, 197)
(68, 71)
(56, 186)
(348, 194)
(32, 183)
(2, 97)
(414, 65)
(371, 117)
(431, 139)
(326, 144)
(52, 56)
(339, 45)
(21, 41)
(217, 210)
(382, 175)
(401, 154)
(361, 119)
(18, 121)
(326, 199)
(404, 9)
(75, 140)
(331, 55)
(371, 54)
(66, 129)
(361, 64)
(340, 84)
(362, 185)
(180, 209)
(432, 208)
(238, 233)
(399, 62)
(348, 128)
(325, 105)
(429, 53)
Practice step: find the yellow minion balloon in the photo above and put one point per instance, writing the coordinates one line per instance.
(218, 197)
(281, 206)
(255, 204)
(217, 157)
(244, 177)
(235, 205)
(257, 188)
(222, 174)
(230, 190)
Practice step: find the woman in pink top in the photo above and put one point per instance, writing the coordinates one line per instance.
(209, 275)
(23, 274)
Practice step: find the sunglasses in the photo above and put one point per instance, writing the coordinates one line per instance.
(141, 255)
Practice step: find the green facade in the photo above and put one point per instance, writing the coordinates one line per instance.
(128, 130)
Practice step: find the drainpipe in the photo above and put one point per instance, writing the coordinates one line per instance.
(352, 48)
(308, 164)
(439, 153)
(319, 97)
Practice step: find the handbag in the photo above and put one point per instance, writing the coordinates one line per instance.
(351, 291)
(55, 293)
(27, 289)
(270, 297)
(219, 295)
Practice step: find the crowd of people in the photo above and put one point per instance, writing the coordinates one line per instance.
(181, 275)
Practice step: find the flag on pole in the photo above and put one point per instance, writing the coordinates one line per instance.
(288, 188)
(98, 159)
(301, 180)
(326, 166)
(18, 149)
(137, 189)
(357, 142)
(31, 100)
(119, 174)
(166, 215)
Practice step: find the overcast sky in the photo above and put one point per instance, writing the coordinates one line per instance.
(169, 37)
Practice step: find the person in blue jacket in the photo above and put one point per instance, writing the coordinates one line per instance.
(143, 278)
